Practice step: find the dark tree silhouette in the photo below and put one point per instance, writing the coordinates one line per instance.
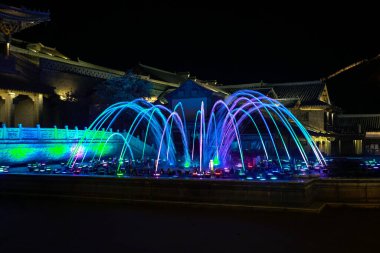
(118, 89)
(123, 88)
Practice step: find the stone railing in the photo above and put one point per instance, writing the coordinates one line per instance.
(38, 133)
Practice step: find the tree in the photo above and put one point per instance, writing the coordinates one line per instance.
(123, 88)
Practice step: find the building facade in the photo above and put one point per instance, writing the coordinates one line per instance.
(308, 101)
(357, 134)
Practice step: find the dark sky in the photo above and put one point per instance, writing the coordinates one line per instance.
(227, 42)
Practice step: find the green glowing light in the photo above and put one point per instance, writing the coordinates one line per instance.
(58, 151)
(187, 164)
(46, 152)
(20, 154)
(216, 161)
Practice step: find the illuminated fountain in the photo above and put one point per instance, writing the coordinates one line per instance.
(207, 141)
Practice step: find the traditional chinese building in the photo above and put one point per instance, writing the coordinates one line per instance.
(41, 85)
(21, 98)
(356, 89)
(308, 101)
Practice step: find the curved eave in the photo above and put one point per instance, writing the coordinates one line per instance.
(24, 19)
(314, 107)
(22, 14)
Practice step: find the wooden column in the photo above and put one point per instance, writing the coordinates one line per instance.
(38, 104)
(9, 109)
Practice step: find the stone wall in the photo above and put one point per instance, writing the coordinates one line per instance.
(224, 192)
(301, 195)
(347, 190)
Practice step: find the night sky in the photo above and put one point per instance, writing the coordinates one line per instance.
(228, 43)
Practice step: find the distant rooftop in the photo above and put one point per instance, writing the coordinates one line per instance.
(37, 53)
(309, 93)
(366, 122)
(176, 77)
(162, 75)
(305, 91)
(10, 12)
(40, 48)
(14, 19)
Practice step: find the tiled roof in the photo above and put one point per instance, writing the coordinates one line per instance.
(160, 74)
(290, 103)
(351, 122)
(265, 91)
(40, 54)
(176, 78)
(307, 92)
(40, 48)
(22, 14)
(235, 87)
(314, 104)
(187, 87)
